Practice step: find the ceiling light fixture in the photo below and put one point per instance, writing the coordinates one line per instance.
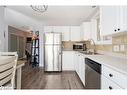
(39, 8)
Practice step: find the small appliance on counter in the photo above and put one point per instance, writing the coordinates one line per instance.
(79, 47)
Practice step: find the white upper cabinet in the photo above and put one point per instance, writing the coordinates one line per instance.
(75, 33)
(94, 30)
(85, 30)
(108, 20)
(123, 19)
(69, 33)
(65, 30)
(65, 33)
(113, 19)
(48, 29)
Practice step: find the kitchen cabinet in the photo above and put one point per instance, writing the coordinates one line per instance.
(76, 65)
(48, 29)
(69, 33)
(113, 79)
(75, 33)
(85, 30)
(80, 66)
(113, 19)
(108, 19)
(108, 84)
(68, 60)
(123, 19)
(65, 33)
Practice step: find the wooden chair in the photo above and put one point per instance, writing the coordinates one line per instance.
(7, 71)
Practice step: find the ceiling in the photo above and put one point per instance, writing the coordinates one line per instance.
(58, 15)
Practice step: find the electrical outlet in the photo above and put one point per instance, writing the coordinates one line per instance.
(122, 48)
(116, 48)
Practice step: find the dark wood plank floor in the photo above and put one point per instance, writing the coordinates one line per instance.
(33, 78)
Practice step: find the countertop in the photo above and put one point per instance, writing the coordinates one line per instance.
(116, 63)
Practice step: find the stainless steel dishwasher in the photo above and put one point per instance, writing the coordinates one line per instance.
(92, 74)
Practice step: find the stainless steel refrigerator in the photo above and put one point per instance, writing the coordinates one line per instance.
(52, 52)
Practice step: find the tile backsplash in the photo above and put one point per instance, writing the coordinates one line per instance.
(68, 45)
(119, 45)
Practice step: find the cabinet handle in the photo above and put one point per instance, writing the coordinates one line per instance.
(115, 30)
(118, 29)
(110, 88)
(110, 75)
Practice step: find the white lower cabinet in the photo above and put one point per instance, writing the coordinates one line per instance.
(68, 60)
(74, 61)
(113, 79)
(108, 84)
(82, 69)
(79, 66)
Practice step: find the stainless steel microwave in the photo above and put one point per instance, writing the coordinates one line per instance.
(78, 46)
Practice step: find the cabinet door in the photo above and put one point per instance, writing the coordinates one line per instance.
(57, 29)
(65, 33)
(75, 33)
(67, 60)
(76, 60)
(94, 29)
(82, 69)
(48, 29)
(86, 28)
(81, 32)
(108, 84)
(123, 18)
(108, 19)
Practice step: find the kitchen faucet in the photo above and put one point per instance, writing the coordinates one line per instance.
(94, 46)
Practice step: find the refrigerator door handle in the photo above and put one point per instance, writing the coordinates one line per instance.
(60, 53)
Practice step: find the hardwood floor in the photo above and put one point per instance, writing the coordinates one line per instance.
(33, 78)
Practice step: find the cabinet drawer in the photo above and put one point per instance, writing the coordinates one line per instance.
(115, 76)
(108, 84)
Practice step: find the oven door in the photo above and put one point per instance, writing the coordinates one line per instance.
(92, 78)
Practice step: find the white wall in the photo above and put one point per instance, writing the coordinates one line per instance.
(2, 39)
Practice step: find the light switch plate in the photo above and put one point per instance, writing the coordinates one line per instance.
(116, 48)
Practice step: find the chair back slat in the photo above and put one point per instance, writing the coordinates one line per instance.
(6, 66)
(5, 80)
(6, 73)
(7, 70)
